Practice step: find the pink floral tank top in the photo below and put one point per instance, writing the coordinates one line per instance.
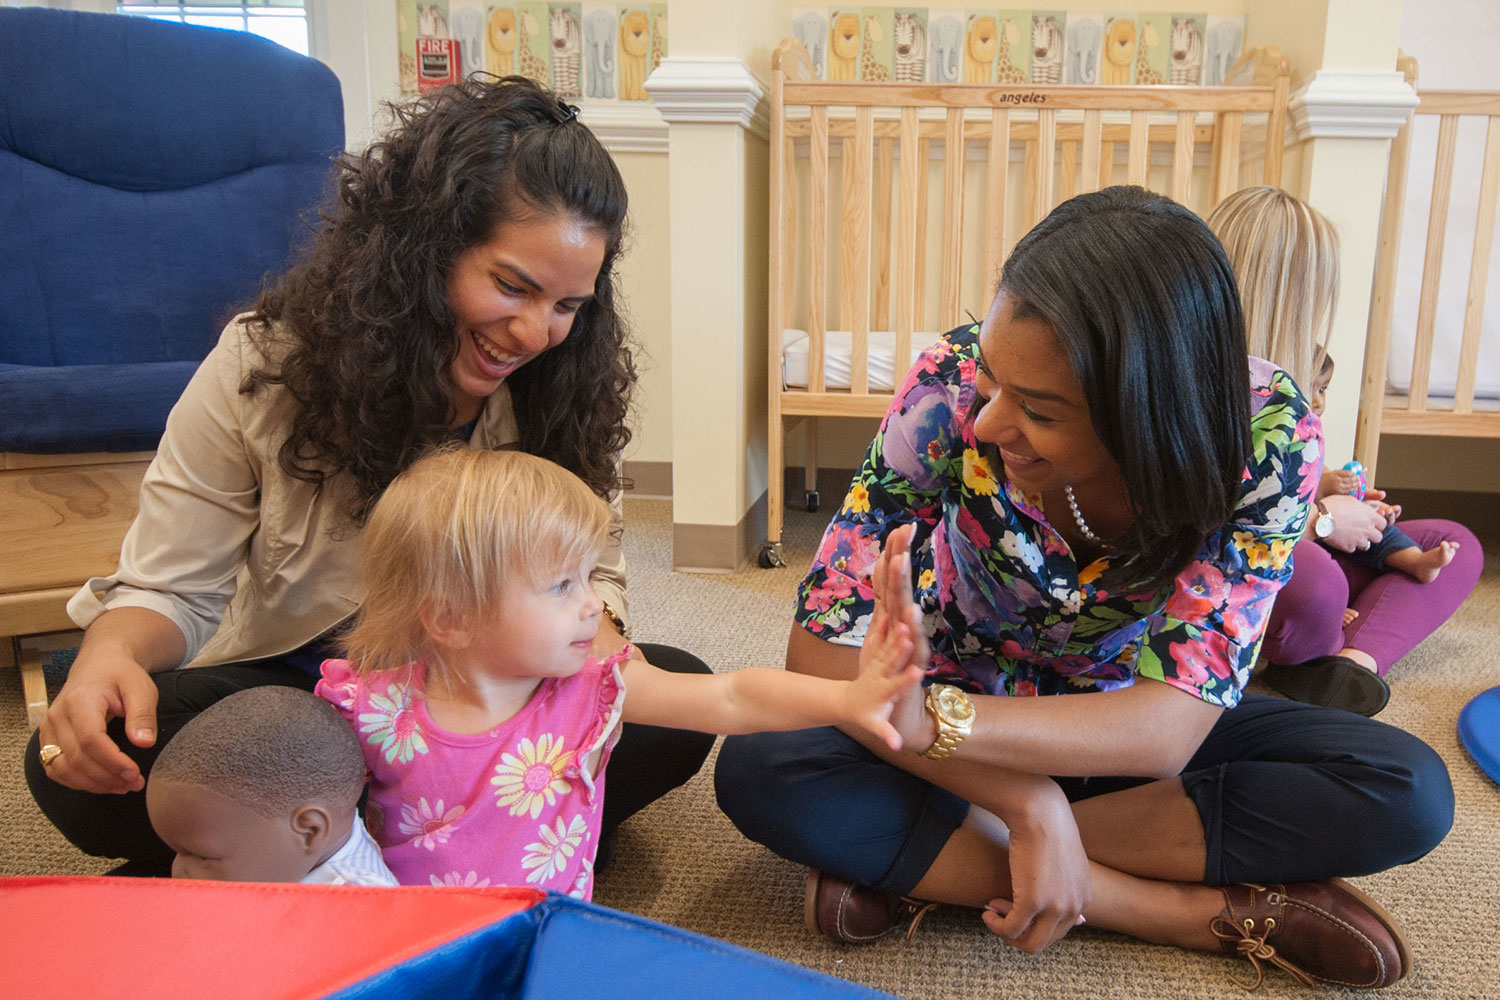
(515, 805)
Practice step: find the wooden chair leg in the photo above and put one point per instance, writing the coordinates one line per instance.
(28, 654)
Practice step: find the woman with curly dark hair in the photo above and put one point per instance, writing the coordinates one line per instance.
(461, 287)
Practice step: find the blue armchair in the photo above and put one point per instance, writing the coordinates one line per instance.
(151, 176)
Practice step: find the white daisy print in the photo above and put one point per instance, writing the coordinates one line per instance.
(428, 824)
(533, 776)
(550, 855)
(393, 725)
(459, 880)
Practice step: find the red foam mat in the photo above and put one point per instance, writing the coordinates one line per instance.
(71, 937)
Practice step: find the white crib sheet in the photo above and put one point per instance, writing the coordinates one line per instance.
(838, 350)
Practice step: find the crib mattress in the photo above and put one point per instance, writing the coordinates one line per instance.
(838, 350)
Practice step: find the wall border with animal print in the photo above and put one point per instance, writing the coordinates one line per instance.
(1017, 46)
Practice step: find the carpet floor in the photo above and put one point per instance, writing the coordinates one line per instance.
(680, 861)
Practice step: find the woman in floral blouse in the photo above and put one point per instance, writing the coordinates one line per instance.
(1098, 495)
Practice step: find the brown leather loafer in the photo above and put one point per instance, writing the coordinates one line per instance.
(1320, 932)
(853, 914)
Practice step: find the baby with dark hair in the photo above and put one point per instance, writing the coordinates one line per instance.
(262, 787)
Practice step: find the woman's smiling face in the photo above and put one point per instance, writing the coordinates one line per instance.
(1034, 410)
(514, 296)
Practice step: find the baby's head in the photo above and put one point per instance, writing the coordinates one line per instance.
(460, 538)
(259, 787)
(1285, 256)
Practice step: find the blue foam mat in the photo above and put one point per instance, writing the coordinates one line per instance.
(1479, 730)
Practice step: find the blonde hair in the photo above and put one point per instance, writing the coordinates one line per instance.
(450, 532)
(1285, 256)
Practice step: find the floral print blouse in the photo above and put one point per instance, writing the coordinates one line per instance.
(520, 804)
(1008, 610)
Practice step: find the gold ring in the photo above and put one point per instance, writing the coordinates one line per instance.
(50, 752)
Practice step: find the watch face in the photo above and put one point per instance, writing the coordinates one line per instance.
(1324, 527)
(954, 706)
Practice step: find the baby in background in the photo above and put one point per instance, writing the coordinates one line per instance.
(262, 787)
(486, 720)
(1395, 550)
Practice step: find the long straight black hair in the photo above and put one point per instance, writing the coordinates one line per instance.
(1144, 305)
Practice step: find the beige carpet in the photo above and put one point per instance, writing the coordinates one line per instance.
(681, 861)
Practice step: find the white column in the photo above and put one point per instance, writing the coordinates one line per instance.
(717, 178)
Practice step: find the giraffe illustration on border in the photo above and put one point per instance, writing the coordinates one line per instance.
(658, 39)
(870, 68)
(1149, 40)
(527, 63)
(1007, 71)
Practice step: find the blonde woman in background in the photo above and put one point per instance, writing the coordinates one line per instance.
(1339, 624)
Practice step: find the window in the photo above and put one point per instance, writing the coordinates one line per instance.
(282, 21)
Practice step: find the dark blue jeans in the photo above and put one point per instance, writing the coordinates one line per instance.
(1287, 792)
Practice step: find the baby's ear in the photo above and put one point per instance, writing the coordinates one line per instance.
(443, 626)
(313, 824)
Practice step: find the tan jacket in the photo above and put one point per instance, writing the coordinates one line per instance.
(246, 561)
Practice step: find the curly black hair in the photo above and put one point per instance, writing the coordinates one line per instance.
(361, 330)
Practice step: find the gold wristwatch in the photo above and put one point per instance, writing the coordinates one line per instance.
(953, 711)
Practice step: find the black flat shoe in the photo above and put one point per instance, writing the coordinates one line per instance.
(1330, 681)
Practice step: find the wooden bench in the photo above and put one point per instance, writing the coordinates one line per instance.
(62, 518)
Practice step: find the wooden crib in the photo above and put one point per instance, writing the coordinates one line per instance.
(919, 239)
(1421, 410)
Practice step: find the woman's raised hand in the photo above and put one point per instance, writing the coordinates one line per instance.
(893, 659)
(893, 600)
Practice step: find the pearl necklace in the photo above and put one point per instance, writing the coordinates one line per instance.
(1083, 525)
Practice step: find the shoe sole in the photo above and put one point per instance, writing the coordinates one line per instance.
(1332, 682)
(1403, 947)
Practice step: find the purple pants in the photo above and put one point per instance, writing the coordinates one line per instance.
(1395, 611)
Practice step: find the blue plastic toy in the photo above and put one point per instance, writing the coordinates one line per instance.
(1359, 474)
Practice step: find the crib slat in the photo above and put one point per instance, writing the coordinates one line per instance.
(1227, 156)
(884, 166)
(787, 197)
(997, 174)
(906, 246)
(1046, 155)
(1088, 178)
(1276, 129)
(953, 219)
(1479, 269)
(1182, 159)
(857, 199)
(817, 320)
(924, 184)
(1067, 172)
(1107, 164)
(1432, 266)
(782, 239)
(1140, 149)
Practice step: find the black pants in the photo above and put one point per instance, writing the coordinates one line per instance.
(1287, 792)
(648, 762)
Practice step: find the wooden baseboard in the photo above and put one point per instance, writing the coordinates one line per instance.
(716, 548)
(648, 480)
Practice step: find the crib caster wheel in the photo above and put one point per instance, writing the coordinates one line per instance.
(812, 501)
(770, 556)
